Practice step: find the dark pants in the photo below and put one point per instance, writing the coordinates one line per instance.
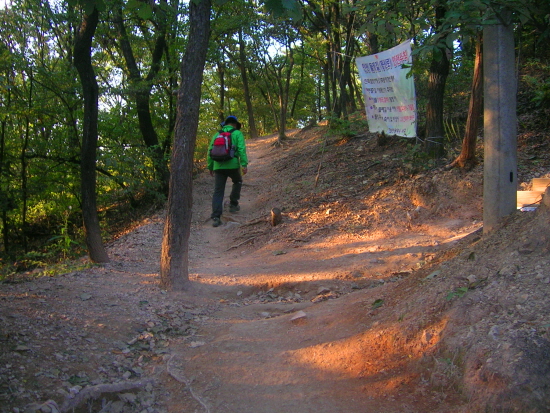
(220, 180)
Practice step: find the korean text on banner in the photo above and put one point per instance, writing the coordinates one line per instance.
(389, 94)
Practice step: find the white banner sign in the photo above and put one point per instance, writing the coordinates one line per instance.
(389, 95)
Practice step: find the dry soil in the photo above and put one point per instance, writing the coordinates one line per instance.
(377, 293)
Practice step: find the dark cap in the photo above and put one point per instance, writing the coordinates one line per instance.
(230, 119)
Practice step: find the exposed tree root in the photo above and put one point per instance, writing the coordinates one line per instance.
(94, 392)
(178, 376)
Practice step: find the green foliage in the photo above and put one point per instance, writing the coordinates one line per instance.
(454, 131)
(356, 124)
(534, 94)
(417, 158)
(377, 303)
(63, 242)
(459, 292)
(35, 265)
(539, 89)
(143, 9)
(284, 8)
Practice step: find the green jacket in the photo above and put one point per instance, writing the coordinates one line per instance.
(240, 159)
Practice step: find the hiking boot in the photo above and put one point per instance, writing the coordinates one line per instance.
(234, 208)
(216, 222)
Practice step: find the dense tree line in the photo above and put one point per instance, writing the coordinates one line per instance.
(89, 89)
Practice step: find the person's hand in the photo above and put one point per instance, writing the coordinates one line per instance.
(245, 170)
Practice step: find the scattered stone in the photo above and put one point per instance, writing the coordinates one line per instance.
(323, 290)
(508, 270)
(494, 332)
(472, 278)
(128, 397)
(433, 275)
(300, 315)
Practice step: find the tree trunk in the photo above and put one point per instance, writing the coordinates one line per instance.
(4, 201)
(221, 76)
(285, 94)
(349, 81)
(88, 154)
(141, 90)
(253, 132)
(326, 91)
(439, 70)
(174, 265)
(24, 165)
(467, 155)
(373, 43)
(349, 100)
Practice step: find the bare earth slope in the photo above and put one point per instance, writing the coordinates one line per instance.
(377, 293)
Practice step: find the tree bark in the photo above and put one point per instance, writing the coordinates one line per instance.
(174, 265)
(439, 70)
(253, 132)
(467, 156)
(88, 154)
(141, 90)
(221, 76)
(4, 200)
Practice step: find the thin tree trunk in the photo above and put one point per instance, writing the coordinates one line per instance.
(349, 82)
(253, 132)
(373, 43)
(24, 164)
(467, 156)
(88, 155)
(174, 265)
(173, 70)
(4, 201)
(141, 90)
(298, 89)
(221, 76)
(24, 180)
(285, 94)
(439, 70)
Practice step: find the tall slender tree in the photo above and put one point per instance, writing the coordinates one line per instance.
(141, 86)
(174, 265)
(88, 156)
(467, 156)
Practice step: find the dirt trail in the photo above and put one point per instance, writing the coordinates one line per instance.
(352, 304)
(252, 356)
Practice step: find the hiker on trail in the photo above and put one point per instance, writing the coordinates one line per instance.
(228, 165)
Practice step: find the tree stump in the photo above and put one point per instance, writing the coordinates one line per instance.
(276, 217)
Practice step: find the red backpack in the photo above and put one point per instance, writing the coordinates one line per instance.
(223, 148)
